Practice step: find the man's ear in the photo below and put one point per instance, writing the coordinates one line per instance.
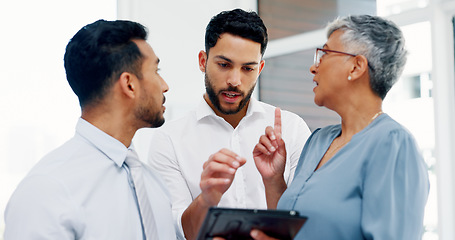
(127, 84)
(202, 60)
(360, 67)
(261, 66)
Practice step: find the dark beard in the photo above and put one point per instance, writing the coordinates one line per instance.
(216, 101)
(153, 120)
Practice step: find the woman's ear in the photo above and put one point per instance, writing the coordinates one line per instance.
(202, 60)
(360, 67)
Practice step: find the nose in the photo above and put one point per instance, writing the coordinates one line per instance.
(313, 69)
(164, 85)
(234, 78)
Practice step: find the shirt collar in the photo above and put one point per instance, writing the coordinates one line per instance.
(111, 147)
(204, 109)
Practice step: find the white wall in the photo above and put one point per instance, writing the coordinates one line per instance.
(38, 108)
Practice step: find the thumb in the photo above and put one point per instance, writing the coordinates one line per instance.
(258, 235)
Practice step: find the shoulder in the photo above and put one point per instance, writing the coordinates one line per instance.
(385, 128)
(58, 160)
(40, 191)
(65, 165)
(322, 136)
(327, 131)
(389, 144)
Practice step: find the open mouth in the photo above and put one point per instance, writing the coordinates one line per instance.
(231, 96)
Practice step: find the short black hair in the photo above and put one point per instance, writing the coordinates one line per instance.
(236, 22)
(99, 53)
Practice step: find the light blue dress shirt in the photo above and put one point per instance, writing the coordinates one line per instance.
(375, 187)
(81, 191)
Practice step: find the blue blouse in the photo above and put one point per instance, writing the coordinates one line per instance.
(375, 187)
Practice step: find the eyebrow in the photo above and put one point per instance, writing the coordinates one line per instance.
(230, 61)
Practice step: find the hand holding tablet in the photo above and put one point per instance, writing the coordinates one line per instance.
(234, 223)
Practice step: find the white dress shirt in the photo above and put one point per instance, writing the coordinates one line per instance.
(81, 191)
(179, 149)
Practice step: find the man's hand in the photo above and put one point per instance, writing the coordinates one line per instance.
(216, 178)
(218, 174)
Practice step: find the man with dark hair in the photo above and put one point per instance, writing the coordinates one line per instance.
(200, 155)
(93, 186)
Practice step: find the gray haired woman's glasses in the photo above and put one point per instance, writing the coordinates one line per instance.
(320, 52)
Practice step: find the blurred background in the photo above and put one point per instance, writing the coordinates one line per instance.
(39, 111)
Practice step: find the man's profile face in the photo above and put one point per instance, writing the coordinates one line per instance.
(231, 71)
(152, 88)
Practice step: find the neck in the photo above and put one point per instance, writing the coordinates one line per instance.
(114, 124)
(355, 118)
(232, 119)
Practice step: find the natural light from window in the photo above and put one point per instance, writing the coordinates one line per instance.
(410, 101)
(39, 110)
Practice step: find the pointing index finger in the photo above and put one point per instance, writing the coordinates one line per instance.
(277, 125)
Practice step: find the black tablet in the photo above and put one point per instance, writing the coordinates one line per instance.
(235, 223)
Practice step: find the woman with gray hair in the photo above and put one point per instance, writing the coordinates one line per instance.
(363, 178)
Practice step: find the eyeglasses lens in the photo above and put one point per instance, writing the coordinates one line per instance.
(317, 57)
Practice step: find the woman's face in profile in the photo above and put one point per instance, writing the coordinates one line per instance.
(332, 73)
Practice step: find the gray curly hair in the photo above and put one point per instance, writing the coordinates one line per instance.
(380, 41)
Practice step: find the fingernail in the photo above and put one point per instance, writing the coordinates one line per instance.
(254, 233)
(236, 164)
(231, 170)
(273, 136)
(273, 149)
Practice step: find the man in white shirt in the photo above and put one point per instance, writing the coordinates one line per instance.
(206, 156)
(85, 189)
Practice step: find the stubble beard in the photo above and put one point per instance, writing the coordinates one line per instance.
(151, 119)
(214, 97)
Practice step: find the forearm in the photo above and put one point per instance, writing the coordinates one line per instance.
(274, 188)
(193, 217)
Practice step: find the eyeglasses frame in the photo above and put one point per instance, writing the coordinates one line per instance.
(317, 60)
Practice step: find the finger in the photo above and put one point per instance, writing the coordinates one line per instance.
(227, 157)
(239, 159)
(259, 235)
(216, 167)
(214, 182)
(277, 125)
(270, 133)
(260, 149)
(270, 146)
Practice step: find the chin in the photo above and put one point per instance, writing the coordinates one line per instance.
(318, 102)
(229, 111)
